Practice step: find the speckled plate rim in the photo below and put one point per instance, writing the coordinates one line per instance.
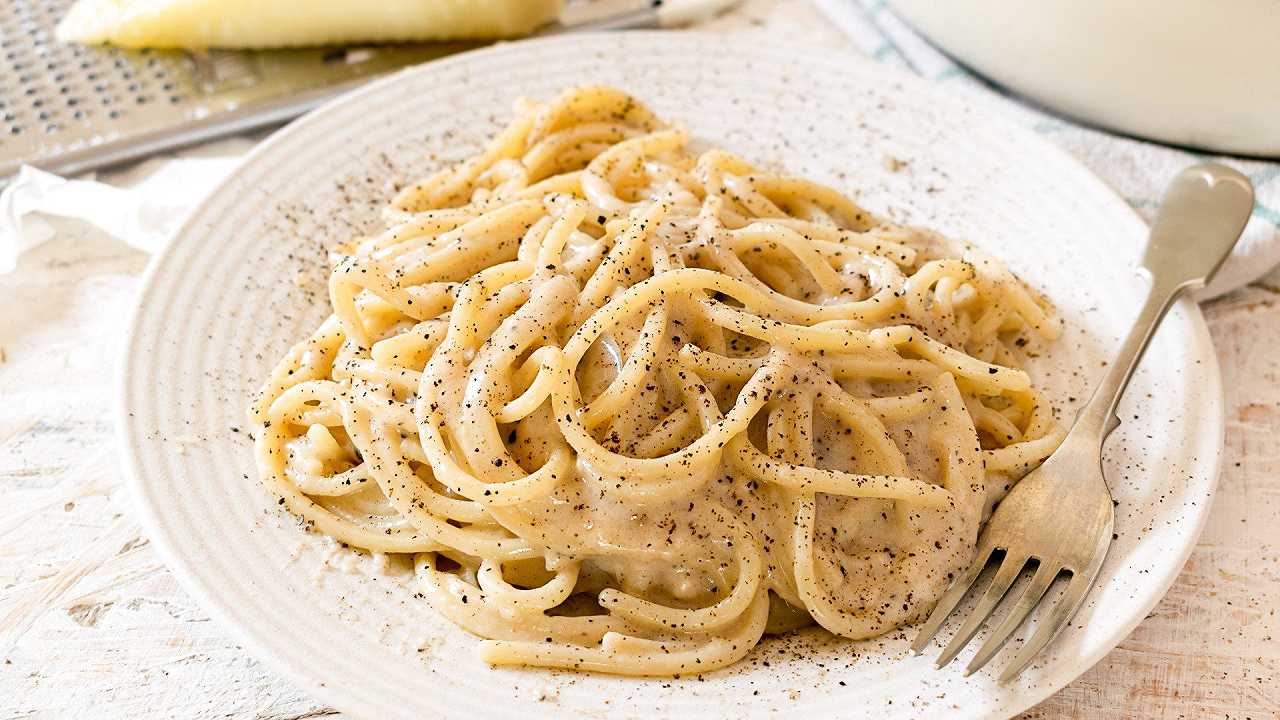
(1211, 418)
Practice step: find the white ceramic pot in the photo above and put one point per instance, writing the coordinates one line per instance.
(1203, 73)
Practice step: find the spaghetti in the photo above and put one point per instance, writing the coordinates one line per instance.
(632, 407)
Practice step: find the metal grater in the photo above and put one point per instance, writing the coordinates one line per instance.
(68, 108)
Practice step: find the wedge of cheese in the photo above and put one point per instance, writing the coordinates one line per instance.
(290, 23)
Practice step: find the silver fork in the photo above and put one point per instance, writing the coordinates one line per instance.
(1061, 514)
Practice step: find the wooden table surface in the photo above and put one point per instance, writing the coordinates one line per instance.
(93, 625)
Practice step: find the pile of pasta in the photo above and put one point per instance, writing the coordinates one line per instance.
(631, 407)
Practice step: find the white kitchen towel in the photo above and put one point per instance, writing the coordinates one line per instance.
(141, 206)
(1138, 170)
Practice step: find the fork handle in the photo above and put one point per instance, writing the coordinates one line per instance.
(1200, 218)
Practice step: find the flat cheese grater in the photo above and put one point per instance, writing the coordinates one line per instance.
(69, 109)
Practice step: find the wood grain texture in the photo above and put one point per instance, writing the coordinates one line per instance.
(92, 625)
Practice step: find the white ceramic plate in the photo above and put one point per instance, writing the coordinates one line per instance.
(245, 279)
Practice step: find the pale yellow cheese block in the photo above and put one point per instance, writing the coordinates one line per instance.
(292, 23)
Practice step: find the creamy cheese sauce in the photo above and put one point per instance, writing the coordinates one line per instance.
(628, 407)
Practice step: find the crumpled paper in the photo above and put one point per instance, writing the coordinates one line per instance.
(142, 206)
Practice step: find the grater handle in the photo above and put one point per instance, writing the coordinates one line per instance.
(654, 14)
(137, 147)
